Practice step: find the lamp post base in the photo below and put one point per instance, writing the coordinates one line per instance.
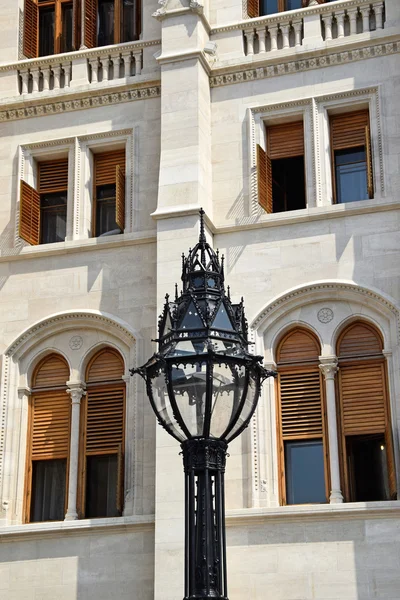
(205, 542)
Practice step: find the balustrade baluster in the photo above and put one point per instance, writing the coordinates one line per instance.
(340, 23)
(250, 41)
(327, 19)
(138, 62)
(95, 66)
(378, 8)
(297, 32)
(57, 77)
(352, 12)
(365, 18)
(261, 40)
(285, 35)
(46, 78)
(25, 81)
(35, 80)
(273, 31)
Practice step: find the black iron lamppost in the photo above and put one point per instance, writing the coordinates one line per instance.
(203, 385)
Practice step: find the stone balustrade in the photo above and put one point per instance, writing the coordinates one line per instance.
(37, 78)
(73, 71)
(353, 18)
(273, 34)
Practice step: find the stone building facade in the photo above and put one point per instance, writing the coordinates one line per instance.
(191, 96)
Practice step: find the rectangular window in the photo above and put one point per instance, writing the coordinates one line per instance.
(43, 212)
(351, 157)
(48, 26)
(109, 193)
(111, 22)
(305, 472)
(102, 484)
(48, 490)
(281, 169)
(367, 468)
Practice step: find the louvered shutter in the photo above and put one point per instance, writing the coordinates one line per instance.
(298, 346)
(53, 176)
(253, 8)
(368, 152)
(29, 214)
(348, 130)
(90, 23)
(264, 180)
(301, 405)
(106, 166)
(53, 372)
(285, 141)
(50, 425)
(106, 366)
(359, 340)
(362, 391)
(104, 419)
(76, 15)
(31, 21)
(120, 198)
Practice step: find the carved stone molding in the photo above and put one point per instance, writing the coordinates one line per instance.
(259, 71)
(40, 109)
(328, 366)
(76, 391)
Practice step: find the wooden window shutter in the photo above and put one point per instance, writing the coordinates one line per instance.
(104, 419)
(50, 425)
(359, 340)
(105, 167)
(298, 346)
(285, 141)
(76, 16)
(29, 214)
(253, 8)
(53, 372)
(264, 180)
(53, 176)
(301, 404)
(106, 366)
(348, 130)
(90, 23)
(120, 198)
(31, 21)
(370, 177)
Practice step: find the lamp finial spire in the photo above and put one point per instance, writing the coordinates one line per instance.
(202, 238)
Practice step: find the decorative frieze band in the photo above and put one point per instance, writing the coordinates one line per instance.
(25, 111)
(307, 64)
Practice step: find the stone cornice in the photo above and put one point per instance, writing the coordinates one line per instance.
(71, 56)
(308, 61)
(178, 57)
(94, 99)
(71, 140)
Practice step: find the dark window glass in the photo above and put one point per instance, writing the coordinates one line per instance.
(128, 21)
(46, 31)
(351, 175)
(192, 319)
(105, 24)
(221, 320)
(67, 28)
(305, 474)
(288, 184)
(101, 486)
(48, 490)
(105, 209)
(53, 217)
(293, 4)
(267, 7)
(368, 472)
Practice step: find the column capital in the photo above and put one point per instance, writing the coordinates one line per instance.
(328, 366)
(76, 390)
(24, 391)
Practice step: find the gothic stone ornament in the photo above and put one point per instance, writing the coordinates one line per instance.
(325, 315)
(76, 342)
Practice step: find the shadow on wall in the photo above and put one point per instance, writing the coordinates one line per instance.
(81, 567)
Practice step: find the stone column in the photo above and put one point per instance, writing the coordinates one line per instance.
(76, 391)
(328, 366)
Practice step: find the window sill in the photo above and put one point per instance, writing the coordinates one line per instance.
(314, 512)
(84, 245)
(54, 529)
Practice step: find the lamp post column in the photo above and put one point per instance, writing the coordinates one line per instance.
(329, 368)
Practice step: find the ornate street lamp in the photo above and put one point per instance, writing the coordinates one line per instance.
(203, 385)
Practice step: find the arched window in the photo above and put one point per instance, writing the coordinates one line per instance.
(365, 426)
(48, 441)
(102, 437)
(302, 440)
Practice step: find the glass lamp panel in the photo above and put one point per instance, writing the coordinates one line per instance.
(228, 384)
(189, 388)
(163, 406)
(249, 403)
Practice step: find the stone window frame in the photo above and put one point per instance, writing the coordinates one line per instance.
(259, 118)
(352, 100)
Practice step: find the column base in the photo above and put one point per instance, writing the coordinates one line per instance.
(336, 497)
(71, 516)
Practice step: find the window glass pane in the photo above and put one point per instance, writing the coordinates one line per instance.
(288, 184)
(105, 210)
(351, 175)
(293, 4)
(267, 7)
(305, 474)
(48, 490)
(105, 23)
(46, 31)
(67, 28)
(101, 486)
(128, 29)
(368, 471)
(53, 217)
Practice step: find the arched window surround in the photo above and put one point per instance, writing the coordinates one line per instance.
(299, 306)
(58, 333)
